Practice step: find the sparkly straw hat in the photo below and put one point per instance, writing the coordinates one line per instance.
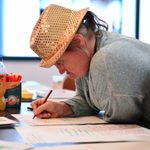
(53, 32)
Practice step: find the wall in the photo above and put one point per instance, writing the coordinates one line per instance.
(31, 70)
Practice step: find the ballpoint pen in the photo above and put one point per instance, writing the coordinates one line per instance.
(46, 98)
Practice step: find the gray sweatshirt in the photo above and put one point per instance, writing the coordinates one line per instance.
(118, 81)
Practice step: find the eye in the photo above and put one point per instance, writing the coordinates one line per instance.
(60, 63)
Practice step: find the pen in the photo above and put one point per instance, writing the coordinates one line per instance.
(30, 108)
(46, 98)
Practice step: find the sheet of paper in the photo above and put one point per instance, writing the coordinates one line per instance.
(4, 122)
(42, 90)
(82, 133)
(102, 146)
(27, 119)
(5, 145)
(57, 93)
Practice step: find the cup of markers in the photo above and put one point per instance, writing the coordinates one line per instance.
(11, 95)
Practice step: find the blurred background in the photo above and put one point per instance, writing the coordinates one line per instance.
(18, 17)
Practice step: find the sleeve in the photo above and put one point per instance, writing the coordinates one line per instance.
(79, 104)
(117, 91)
(122, 109)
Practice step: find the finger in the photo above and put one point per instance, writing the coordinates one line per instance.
(44, 115)
(35, 104)
(41, 109)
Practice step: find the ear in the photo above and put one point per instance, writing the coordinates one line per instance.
(79, 39)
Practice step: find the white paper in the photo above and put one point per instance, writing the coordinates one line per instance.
(57, 93)
(5, 145)
(83, 133)
(6, 121)
(102, 146)
(27, 119)
(42, 90)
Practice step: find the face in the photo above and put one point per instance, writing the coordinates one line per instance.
(74, 62)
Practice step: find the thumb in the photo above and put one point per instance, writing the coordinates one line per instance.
(40, 109)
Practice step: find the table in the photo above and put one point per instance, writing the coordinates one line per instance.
(10, 134)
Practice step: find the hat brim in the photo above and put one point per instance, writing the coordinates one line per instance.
(54, 31)
(67, 39)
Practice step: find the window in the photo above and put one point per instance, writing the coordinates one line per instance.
(144, 23)
(20, 16)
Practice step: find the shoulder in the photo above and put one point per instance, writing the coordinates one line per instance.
(114, 45)
(97, 64)
(116, 40)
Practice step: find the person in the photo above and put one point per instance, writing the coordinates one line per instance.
(111, 71)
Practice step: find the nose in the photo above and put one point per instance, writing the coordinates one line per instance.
(61, 71)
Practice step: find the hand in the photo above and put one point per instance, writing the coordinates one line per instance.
(51, 109)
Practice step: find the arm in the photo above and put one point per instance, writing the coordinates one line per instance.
(79, 104)
(76, 106)
(123, 109)
(50, 109)
(117, 87)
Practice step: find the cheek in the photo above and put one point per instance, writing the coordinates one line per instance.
(81, 68)
(77, 65)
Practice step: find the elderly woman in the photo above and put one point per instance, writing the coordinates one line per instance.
(112, 72)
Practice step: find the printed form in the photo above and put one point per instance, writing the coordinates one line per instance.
(82, 133)
(102, 146)
(27, 119)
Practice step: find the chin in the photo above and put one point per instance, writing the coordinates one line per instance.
(72, 76)
(76, 77)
